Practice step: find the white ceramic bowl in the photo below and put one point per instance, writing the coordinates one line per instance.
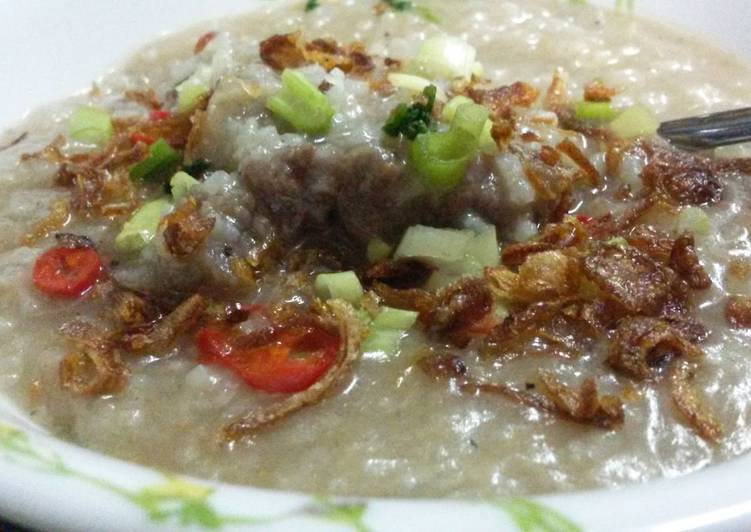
(51, 48)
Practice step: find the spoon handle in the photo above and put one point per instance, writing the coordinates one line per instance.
(710, 131)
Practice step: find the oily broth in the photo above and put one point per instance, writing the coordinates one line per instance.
(388, 429)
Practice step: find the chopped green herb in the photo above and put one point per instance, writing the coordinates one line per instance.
(161, 163)
(414, 119)
(310, 5)
(407, 5)
(197, 167)
(398, 5)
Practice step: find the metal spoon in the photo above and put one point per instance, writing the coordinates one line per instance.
(710, 131)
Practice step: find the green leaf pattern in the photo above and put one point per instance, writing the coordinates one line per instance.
(530, 516)
(179, 501)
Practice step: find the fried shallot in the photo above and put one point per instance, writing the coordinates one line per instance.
(162, 333)
(688, 402)
(642, 345)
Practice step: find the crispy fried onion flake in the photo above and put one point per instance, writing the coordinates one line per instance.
(351, 332)
(642, 345)
(186, 229)
(98, 180)
(631, 278)
(290, 51)
(95, 367)
(543, 276)
(688, 402)
(585, 406)
(163, 332)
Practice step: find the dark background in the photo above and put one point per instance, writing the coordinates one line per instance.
(10, 527)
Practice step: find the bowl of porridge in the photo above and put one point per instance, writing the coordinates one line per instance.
(374, 265)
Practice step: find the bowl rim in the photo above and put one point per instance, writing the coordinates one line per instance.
(46, 481)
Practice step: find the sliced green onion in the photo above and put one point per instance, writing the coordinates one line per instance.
(501, 312)
(636, 121)
(472, 118)
(427, 14)
(693, 220)
(394, 318)
(384, 341)
(310, 5)
(189, 94)
(387, 330)
(181, 183)
(468, 267)
(449, 110)
(142, 226)
(618, 241)
(601, 112)
(487, 142)
(483, 248)
(90, 125)
(415, 84)
(481, 251)
(456, 253)
(441, 159)
(344, 285)
(446, 57)
(161, 163)
(478, 70)
(301, 104)
(435, 246)
(378, 250)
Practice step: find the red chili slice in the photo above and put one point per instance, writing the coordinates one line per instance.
(583, 219)
(67, 272)
(136, 137)
(157, 115)
(290, 360)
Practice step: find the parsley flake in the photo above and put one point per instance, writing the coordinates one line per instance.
(412, 120)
